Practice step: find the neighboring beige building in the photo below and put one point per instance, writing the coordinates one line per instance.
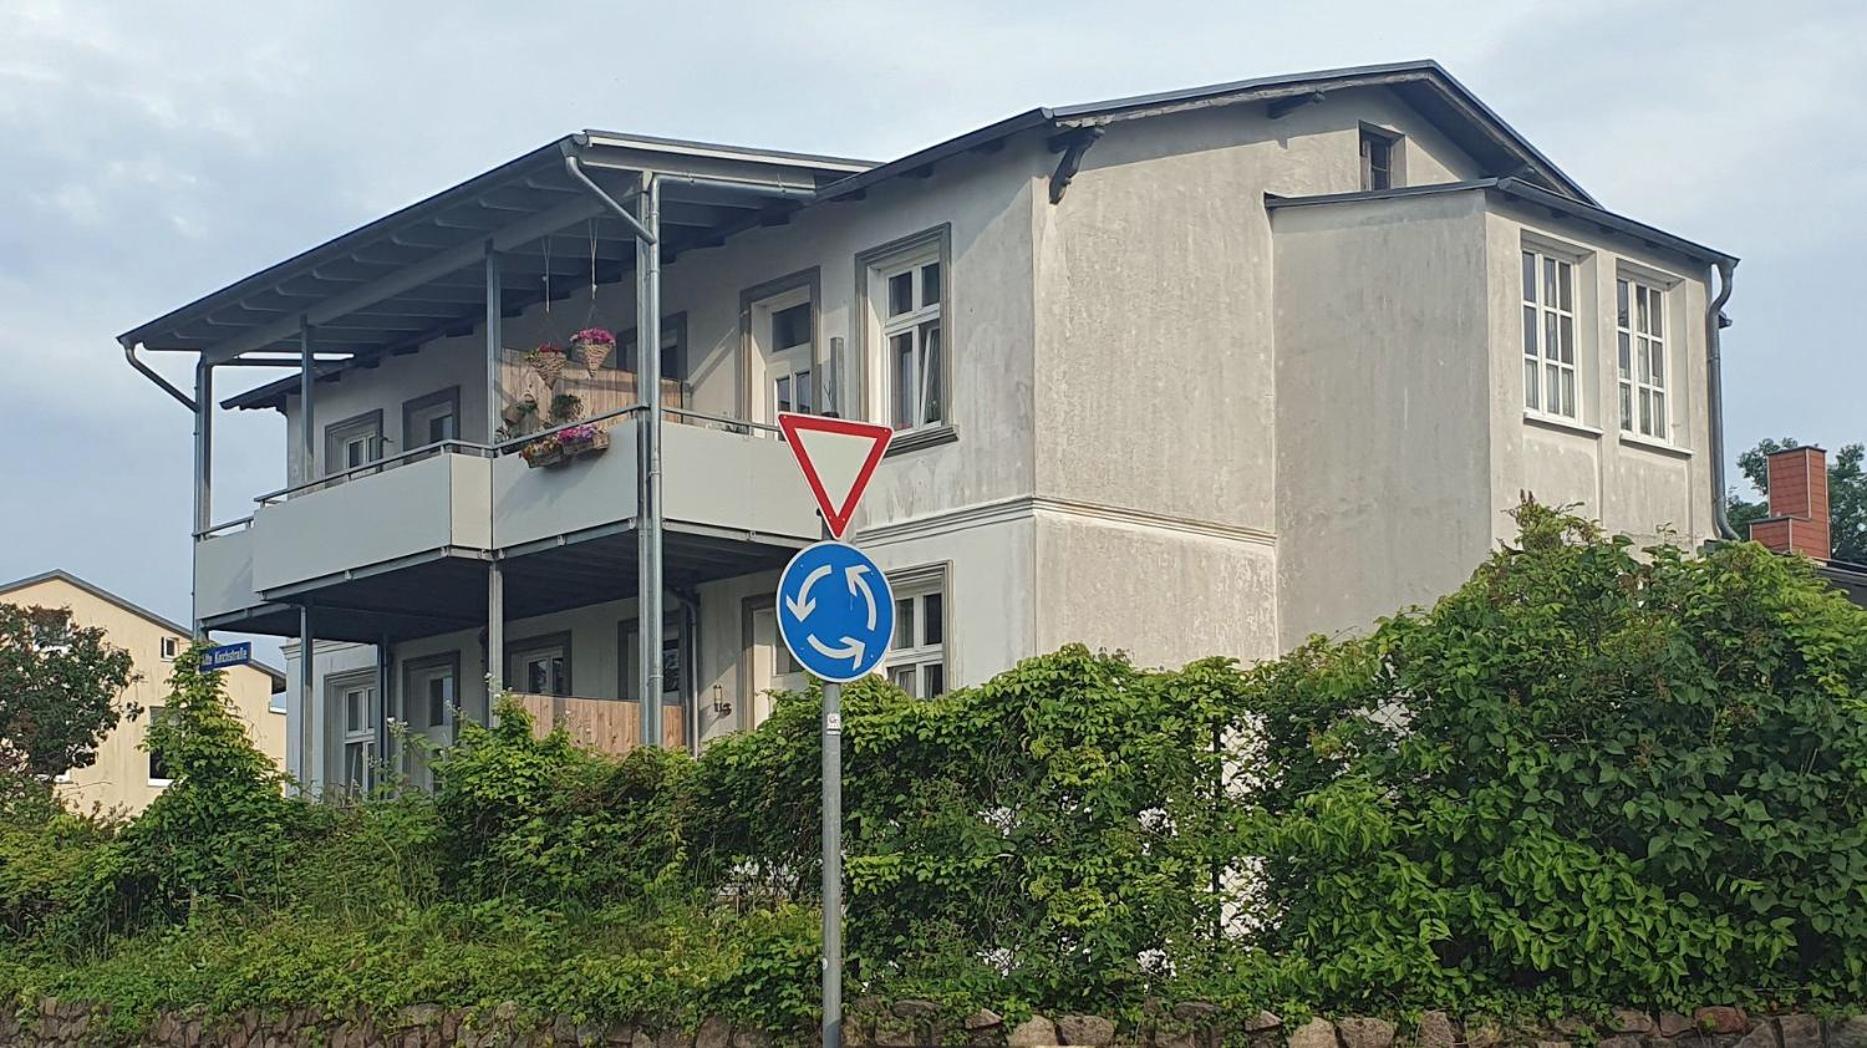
(124, 775)
(1186, 374)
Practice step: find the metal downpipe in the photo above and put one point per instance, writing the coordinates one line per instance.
(1714, 381)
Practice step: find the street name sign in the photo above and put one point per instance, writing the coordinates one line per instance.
(226, 655)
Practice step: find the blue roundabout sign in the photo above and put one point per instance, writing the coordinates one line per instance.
(835, 611)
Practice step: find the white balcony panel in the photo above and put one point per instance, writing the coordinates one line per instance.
(223, 574)
(421, 507)
(530, 505)
(735, 481)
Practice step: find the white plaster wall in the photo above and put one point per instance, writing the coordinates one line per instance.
(1164, 596)
(1382, 407)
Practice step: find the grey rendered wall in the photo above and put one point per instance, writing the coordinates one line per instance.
(1383, 407)
(1158, 395)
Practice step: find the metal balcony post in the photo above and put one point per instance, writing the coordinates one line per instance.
(648, 493)
(495, 572)
(203, 480)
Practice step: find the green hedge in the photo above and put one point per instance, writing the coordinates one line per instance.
(1591, 776)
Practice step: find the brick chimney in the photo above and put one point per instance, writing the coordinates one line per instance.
(1798, 520)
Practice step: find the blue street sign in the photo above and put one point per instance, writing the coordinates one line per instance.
(835, 611)
(227, 655)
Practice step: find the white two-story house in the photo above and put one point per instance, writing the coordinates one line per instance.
(1188, 374)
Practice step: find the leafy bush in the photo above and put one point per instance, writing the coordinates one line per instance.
(1592, 775)
(1605, 773)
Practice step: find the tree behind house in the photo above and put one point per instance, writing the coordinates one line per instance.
(61, 689)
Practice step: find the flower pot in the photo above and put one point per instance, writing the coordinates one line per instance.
(592, 354)
(549, 363)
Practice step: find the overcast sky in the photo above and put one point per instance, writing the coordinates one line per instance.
(152, 152)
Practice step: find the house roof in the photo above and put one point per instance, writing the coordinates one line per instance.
(61, 575)
(412, 276)
(1526, 193)
(1423, 84)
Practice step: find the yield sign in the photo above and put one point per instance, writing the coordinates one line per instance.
(838, 457)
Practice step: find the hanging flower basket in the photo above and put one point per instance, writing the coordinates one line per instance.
(548, 361)
(592, 346)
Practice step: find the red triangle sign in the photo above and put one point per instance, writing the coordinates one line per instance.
(838, 457)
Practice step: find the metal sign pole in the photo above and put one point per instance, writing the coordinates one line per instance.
(832, 865)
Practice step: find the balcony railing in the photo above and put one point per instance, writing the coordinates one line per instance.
(605, 725)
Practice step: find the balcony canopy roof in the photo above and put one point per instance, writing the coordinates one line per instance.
(417, 274)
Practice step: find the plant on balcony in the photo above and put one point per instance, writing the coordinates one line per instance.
(516, 413)
(548, 360)
(545, 451)
(593, 346)
(582, 440)
(566, 407)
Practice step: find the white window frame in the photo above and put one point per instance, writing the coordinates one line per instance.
(1641, 363)
(361, 737)
(169, 649)
(927, 323)
(1552, 376)
(913, 653)
(525, 652)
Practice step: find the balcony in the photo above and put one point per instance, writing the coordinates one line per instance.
(603, 725)
(398, 548)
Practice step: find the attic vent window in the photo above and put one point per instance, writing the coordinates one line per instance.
(1380, 153)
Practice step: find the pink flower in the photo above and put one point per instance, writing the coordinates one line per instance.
(594, 336)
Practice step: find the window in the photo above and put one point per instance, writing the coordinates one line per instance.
(353, 442)
(159, 773)
(542, 667)
(357, 704)
(916, 660)
(1549, 382)
(1379, 151)
(431, 419)
(1640, 336)
(672, 662)
(171, 646)
(907, 334)
(673, 358)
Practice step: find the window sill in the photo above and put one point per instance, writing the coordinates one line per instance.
(161, 784)
(1653, 444)
(925, 437)
(1567, 425)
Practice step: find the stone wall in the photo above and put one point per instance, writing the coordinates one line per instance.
(919, 1024)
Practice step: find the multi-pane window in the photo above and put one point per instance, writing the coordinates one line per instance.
(543, 670)
(1549, 382)
(916, 660)
(1640, 335)
(358, 705)
(1377, 159)
(912, 334)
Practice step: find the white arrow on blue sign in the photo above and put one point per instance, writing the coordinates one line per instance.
(835, 611)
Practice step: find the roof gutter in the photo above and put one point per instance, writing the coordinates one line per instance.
(1715, 322)
(129, 354)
